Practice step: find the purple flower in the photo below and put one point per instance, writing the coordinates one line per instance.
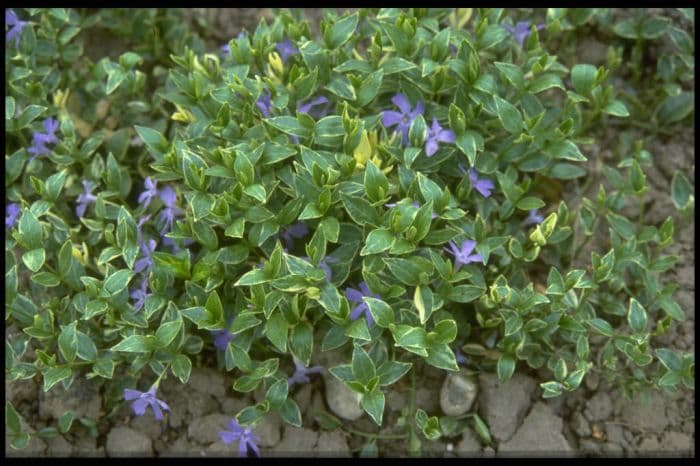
(301, 373)
(139, 295)
(12, 211)
(40, 140)
(225, 49)
(296, 230)
(143, 399)
(437, 134)
(533, 218)
(403, 119)
(323, 265)
(16, 26)
(264, 103)
(286, 49)
(521, 31)
(460, 357)
(246, 438)
(168, 214)
(146, 262)
(414, 204)
(484, 186)
(149, 191)
(356, 296)
(172, 243)
(139, 226)
(308, 106)
(463, 255)
(222, 338)
(85, 198)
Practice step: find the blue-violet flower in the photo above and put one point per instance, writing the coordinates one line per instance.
(85, 198)
(286, 49)
(246, 438)
(12, 211)
(356, 296)
(16, 26)
(463, 255)
(437, 134)
(533, 218)
(301, 373)
(403, 119)
(521, 31)
(143, 400)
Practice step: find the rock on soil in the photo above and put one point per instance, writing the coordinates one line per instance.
(504, 406)
(469, 445)
(458, 393)
(332, 444)
(341, 400)
(541, 434)
(125, 441)
(209, 381)
(268, 430)
(296, 441)
(645, 416)
(205, 430)
(599, 407)
(83, 398)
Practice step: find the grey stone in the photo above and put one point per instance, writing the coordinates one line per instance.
(645, 416)
(592, 51)
(205, 430)
(503, 406)
(341, 400)
(591, 380)
(20, 390)
(458, 393)
(599, 408)
(332, 444)
(200, 404)
(580, 425)
(181, 447)
(207, 381)
(58, 447)
(178, 411)
(540, 433)
(232, 406)
(82, 398)
(85, 446)
(125, 441)
(396, 400)
(148, 425)
(615, 433)
(469, 445)
(427, 401)
(612, 449)
(268, 430)
(314, 407)
(678, 442)
(302, 395)
(296, 441)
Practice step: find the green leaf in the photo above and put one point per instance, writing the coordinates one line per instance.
(341, 86)
(133, 344)
(301, 342)
(369, 88)
(65, 422)
(363, 368)
(378, 241)
(54, 375)
(181, 368)
(12, 418)
(277, 393)
(391, 371)
(675, 108)
(681, 191)
(509, 115)
(253, 277)
(616, 108)
(376, 184)
(289, 411)
(166, 332)
(442, 357)
(381, 312)
(373, 404)
(636, 316)
(116, 282)
(54, 184)
(567, 171)
(29, 114)
(465, 293)
(583, 78)
(512, 73)
(359, 210)
(289, 125)
(115, 76)
(545, 81)
(68, 341)
(9, 107)
(30, 230)
(528, 203)
(423, 300)
(601, 326)
(482, 429)
(621, 225)
(505, 368)
(276, 330)
(565, 150)
(34, 259)
(396, 65)
(341, 31)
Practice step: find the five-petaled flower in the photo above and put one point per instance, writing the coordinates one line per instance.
(403, 119)
(12, 211)
(85, 198)
(143, 399)
(40, 140)
(264, 103)
(146, 262)
(16, 26)
(149, 191)
(463, 255)
(308, 107)
(222, 337)
(296, 230)
(437, 134)
(286, 49)
(168, 214)
(356, 296)
(140, 294)
(533, 218)
(521, 31)
(301, 373)
(484, 185)
(245, 436)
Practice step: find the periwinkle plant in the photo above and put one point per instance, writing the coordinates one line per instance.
(260, 194)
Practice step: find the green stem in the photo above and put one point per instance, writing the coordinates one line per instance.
(375, 436)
